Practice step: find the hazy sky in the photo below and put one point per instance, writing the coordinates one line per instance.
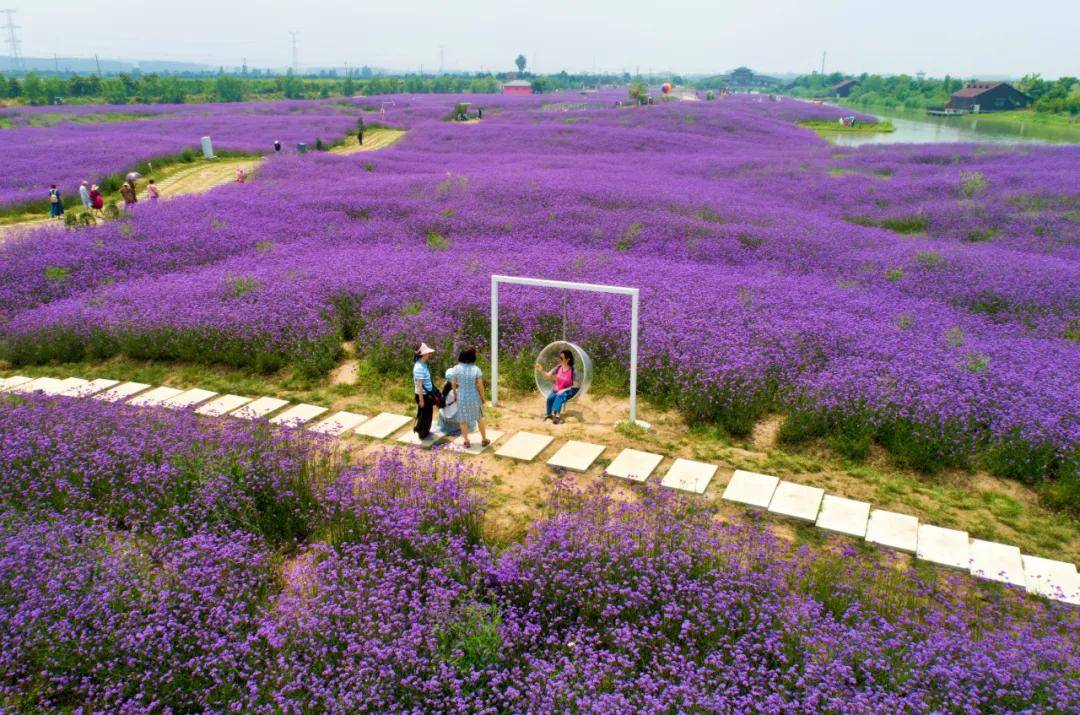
(989, 37)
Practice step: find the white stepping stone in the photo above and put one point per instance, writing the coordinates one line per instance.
(298, 415)
(843, 516)
(383, 425)
(897, 531)
(121, 391)
(338, 424)
(458, 444)
(69, 384)
(751, 488)
(996, 562)
(155, 397)
(576, 456)
(796, 501)
(434, 437)
(222, 405)
(259, 408)
(948, 547)
(45, 385)
(90, 388)
(1057, 580)
(524, 446)
(634, 465)
(689, 476)
(10, 383)
(187, 400)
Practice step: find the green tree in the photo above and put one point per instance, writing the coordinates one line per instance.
(348, 86)
(33, 89)
(292, 86)
(229, 88)
(173, 90)
(520, 62)
(14, 89)
(114, 91)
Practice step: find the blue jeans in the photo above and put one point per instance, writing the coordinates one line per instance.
(555, 401)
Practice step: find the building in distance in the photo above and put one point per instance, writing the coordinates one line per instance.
(843, 89)
(987, 97)
(517, 86)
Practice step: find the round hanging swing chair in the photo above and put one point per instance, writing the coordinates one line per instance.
(549, 358)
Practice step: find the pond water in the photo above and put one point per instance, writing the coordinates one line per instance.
(916, 127)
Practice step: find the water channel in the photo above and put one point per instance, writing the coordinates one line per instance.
(916, 127)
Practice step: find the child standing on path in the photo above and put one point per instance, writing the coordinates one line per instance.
(152, 191)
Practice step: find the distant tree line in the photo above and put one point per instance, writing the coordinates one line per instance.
(136, 88)
(1061, 96)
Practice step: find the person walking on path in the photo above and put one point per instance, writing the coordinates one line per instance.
(565, 378)
(469, 383)
(277, 146)
(84, 196)
(241, 175)
(97, 201)
(56, 204)
(424, 390)
(127, 191)
(360, 134)
(152, 191)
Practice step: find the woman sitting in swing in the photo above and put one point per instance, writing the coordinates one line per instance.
(566, 385)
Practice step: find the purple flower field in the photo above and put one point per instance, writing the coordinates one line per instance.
(152, 561)
(923, 297)
(76, 149)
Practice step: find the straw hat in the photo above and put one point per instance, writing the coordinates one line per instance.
(425, 349)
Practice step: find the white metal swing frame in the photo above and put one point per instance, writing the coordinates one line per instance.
(564, 285)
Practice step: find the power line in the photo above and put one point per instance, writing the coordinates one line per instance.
(13, 40)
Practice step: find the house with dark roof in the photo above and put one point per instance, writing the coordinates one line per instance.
(843, 89)
(987, 97)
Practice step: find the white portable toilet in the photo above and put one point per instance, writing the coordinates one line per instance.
(207, 148)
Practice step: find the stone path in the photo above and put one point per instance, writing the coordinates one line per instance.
(952, 548)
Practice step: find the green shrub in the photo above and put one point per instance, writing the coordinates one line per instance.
(437, 242)
(905, 224)
(972, 184)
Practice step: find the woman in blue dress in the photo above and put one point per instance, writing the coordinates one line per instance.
(469, 384)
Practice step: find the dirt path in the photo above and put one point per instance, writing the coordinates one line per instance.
(202, 177)
(375, 138)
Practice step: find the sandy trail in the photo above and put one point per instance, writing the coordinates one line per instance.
(203, 177)
(375, 138)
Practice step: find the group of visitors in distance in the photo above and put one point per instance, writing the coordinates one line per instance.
(94, 201)
(461, 399)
